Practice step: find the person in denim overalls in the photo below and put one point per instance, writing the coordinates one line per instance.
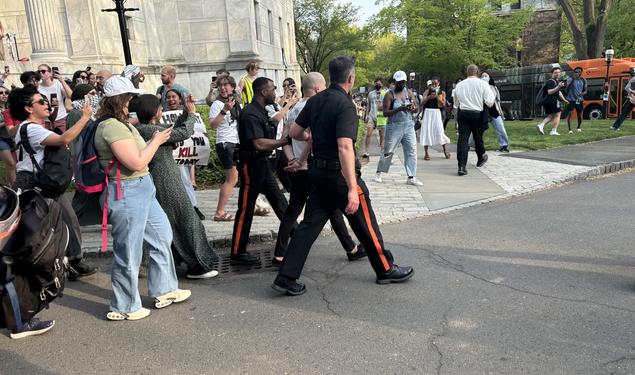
(399, 105)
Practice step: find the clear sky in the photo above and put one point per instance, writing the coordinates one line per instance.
(367, 9)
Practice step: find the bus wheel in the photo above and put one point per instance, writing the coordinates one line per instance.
(593, 112)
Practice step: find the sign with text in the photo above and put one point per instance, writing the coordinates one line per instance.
(194, 150)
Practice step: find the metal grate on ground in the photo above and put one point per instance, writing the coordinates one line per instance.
(224, 266)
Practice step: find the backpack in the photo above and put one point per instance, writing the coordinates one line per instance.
(38, 246)
(542, 94)
(90, 177)
(56, 173)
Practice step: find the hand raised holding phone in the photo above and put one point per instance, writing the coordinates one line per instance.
(190, 104)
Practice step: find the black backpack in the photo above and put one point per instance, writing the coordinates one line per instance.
(56, 173)
(542, 94)
(38, 246)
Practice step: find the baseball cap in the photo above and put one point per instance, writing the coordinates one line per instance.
(130, 71)
(400, 75)
(117, 85)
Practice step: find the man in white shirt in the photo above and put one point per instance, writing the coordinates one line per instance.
(57, 93)
(469, 97)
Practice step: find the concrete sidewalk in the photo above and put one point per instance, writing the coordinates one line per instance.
(504, 176)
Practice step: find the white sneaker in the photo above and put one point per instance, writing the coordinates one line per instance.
(378, 178)
(579, 130)
(206, 275)
(554, 132)
(570, 131)
(414, 181)
(541, 128)
(175, 296)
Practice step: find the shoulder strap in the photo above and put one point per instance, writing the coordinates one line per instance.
(392, 100)
(15, 304)
(26, 145)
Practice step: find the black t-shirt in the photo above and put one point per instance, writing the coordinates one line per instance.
(330, 114)
(254, 124)
(553, 98)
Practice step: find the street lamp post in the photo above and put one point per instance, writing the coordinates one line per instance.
(412, 80)
(121, 12)
(608, 56)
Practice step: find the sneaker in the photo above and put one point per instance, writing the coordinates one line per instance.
(79, 269)
(541, 128)
(378, 178)
(396, 274)
(504, 149)
(554, 132)
(483, 160)
(288, 286)
(570, 131)
(199, 272)
(175, 296)
(135, 315)
(199, 213)
(33, 327)
(365, 155)
(614, 129)
(579, 130)
(413, 181)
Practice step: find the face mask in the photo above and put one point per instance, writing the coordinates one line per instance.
(377, 87)
(485, 78)
(400, 85)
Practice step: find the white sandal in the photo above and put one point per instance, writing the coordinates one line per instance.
(117, 316)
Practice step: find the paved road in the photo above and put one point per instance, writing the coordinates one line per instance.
(539, 284)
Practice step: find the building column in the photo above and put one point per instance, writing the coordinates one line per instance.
(47, 37)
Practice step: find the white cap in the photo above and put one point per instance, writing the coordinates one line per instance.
(117, 85)
(130, 71)
(400, 76)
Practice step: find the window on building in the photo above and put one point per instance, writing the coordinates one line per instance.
(270, 25)
(130, 28)
(515, 5)
(257, 19)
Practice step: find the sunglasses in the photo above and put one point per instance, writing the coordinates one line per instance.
(4, 93)
(83, 77)
(40, 102)
(43, 71)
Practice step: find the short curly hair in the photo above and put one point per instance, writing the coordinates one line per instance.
(19, 99)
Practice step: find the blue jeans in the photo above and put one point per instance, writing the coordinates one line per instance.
(396, 133)
(501, 133)
(626, 111)
(135, 218)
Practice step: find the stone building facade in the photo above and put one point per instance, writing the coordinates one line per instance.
(196, 36)
(540, 43)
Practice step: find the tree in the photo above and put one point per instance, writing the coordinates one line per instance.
(620, 31)
(588, 34)
(323, 31)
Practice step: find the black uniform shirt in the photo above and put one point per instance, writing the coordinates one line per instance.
(330, 114)
(254, 124)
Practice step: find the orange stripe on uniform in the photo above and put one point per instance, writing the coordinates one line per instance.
(371, 230)
(243, 210)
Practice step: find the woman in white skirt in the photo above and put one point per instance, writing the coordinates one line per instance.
(432, 132)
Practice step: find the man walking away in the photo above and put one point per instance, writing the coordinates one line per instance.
(469, 97)
(576, 89)
(629, 88)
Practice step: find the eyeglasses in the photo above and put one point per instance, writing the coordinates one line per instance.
(4, 93)
(40, 102)
(43, 71)
(83, 77)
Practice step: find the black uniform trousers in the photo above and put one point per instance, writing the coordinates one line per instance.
(256, 177)
(328, 194)
(475, 123)
(300, 189)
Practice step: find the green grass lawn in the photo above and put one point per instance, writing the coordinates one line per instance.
(523, 135)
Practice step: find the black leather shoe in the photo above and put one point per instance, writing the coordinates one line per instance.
(396, 274)
(462, 171)
(482, 161)
(245, 259)
(199, 213)
(503, 149)
(359, 254)
(290, 287)
(79, 269)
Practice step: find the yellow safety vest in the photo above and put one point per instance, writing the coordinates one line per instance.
(248, 90)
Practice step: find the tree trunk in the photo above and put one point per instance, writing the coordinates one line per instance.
(576, 30)
(589, 42)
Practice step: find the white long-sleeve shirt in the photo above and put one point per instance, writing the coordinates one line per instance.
(471, 93)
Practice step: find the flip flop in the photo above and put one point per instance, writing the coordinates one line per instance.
(224, 217)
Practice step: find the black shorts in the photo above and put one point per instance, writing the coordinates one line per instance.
(579, 107)
(552, 108)
(225, 152)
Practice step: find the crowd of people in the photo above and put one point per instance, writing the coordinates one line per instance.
(301, 142)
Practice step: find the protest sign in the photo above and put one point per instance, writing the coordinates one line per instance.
(194, 150)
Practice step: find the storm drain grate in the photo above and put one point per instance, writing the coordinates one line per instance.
(224, 266)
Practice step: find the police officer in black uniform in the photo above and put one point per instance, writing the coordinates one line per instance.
(257, 135)
(335, 176)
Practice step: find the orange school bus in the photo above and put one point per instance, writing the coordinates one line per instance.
(519, 86)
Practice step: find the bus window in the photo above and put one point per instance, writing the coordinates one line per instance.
(613, 96)
(595, 89)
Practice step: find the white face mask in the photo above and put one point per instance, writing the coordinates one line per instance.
(485, 78)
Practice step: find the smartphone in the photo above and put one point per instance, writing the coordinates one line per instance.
(6, 68)
(79, 81)
(214, 78)
(132, 114)
(55, 69)
(54, 101)
(88, 68)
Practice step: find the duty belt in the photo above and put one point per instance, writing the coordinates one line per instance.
(332, 165)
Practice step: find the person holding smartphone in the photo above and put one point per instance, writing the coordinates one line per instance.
(57, 93)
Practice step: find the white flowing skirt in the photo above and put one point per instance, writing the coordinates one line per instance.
(432, 128)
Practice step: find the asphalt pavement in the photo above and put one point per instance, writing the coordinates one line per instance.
(536, 284)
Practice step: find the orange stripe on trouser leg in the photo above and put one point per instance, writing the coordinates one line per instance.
(243, 210)
(371, 230)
